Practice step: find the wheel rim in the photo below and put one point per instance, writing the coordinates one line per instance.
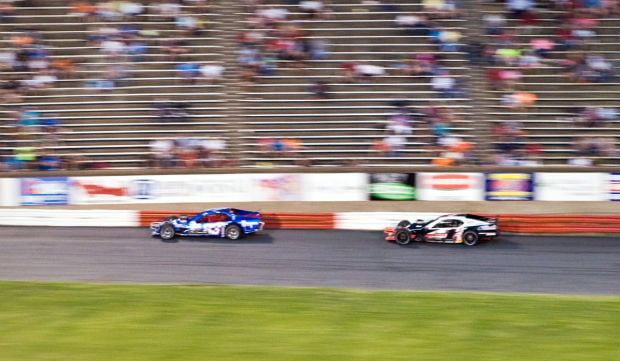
(402, 238)
(167, 232)
(470, 238)
(233, 233)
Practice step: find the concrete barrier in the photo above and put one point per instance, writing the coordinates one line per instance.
(371, 221)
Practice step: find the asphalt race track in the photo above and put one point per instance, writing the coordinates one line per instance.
(343, 259)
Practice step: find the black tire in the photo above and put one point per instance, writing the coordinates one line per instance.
(403, 224)
(233, 232)
(167, 232)
(170, 218)
(470, 238)
(402, 236)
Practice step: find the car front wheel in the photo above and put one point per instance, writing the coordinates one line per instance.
(167, 232)
(402, 236)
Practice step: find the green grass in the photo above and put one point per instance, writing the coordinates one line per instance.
(52, 321)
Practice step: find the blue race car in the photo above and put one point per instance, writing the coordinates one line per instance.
(228, 223)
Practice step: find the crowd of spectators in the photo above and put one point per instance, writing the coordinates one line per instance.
(188, 152)
(271, 40)
(122, 35)
(432, 124)
(515, 43)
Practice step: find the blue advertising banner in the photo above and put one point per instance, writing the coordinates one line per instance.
(509, 187)
(614, 186)
(44, 191)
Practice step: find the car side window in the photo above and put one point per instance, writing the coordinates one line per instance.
(219, 217)
(443, 224)
(449, 223)
(203, 219)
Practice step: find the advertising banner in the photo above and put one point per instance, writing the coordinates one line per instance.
(450, 186)
(9, 192)
(158, 189)
(392, 186)
(613, 186)
(319, 187)
(188, 188)
(44, 191)
(275, 187)
(571, 187)
(93, 190)
(509, 186)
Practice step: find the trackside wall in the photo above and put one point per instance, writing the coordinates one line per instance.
(371, 221)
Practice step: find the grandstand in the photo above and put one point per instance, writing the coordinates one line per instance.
(359, 83)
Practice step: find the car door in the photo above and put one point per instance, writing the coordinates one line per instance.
(215, 224)
(443, 230)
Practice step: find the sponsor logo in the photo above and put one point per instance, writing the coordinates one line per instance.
(392, 186)
(448, 181)
(44, 191)
(392, 191)
(142, 188)
(95, 190)
(510, 186)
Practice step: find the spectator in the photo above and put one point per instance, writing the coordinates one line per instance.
(131, 9)
(25, 158)
(367, 71)
(113, 48)
(162, 153)
(48, 162)
(188, 72)
(175, 49)
(82, 9)
(580, 161)
(318, 49)
(136, 49)
(213, 154)
(168, 10)
(211, 72)
(188, 23)
(516, 8)
(7, 12)
(541, 46)
(445, 85)
(519, 100)
(399, 123)
(319, 90)
(312, 8)
(494, 24)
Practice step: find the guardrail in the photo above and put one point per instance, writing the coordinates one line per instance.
(371, 221)
(521, 223)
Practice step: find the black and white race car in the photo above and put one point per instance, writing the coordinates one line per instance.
(467, 229)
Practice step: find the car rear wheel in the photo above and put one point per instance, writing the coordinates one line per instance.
(402, 236)
(233, 232)
(167, 232)
(470, 238)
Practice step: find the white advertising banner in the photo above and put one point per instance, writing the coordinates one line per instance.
(159, 189)
(571, 187)
(274, 187)
(9, 192)
(322, 187)
(450, 186)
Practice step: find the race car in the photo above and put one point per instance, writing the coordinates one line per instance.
(228, 223)
(467, 229)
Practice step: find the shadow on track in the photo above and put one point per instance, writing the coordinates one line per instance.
(249, 239)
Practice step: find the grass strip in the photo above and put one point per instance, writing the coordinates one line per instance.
(55, 321)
